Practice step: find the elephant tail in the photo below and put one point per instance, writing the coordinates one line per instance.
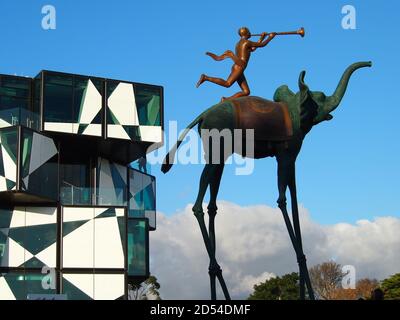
(169, 158)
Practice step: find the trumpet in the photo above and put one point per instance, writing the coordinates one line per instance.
(301, 32)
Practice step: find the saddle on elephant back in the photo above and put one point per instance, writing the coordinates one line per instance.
(270, 120)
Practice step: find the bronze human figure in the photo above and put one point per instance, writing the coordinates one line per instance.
(240, 58)
(279, 129)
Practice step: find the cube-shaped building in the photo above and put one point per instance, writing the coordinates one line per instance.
(77, 200)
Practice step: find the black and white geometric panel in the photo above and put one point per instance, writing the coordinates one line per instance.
(8, 159)
(28, 237)
(111, 183)
(123, 121)
(93, 237)
(89, 111)
(37, 150)
(89, 286)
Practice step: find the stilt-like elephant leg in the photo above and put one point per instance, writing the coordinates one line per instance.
(302, 261)
(206, 177)
(215, 271)
(286, 177)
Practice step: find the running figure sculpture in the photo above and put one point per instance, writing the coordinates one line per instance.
(240, 58)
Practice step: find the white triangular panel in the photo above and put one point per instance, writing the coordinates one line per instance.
(3, 184)
(10, 169)
(93, 130)
(108, 247)
(5, 291)
(18, 217)
(120, 212)
(108, 286)
(4, 123)
(40, 215)
(91, 104)
(99, 211)
(151, 133)
(48, 256)
(78, 247)
(77, 214)
(14, 254)
(43, 148)
(117, 131)
(123, 105)
(84, 282)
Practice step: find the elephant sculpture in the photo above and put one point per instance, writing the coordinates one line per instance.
(280, 127)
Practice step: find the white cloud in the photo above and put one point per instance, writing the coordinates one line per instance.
(253, 244)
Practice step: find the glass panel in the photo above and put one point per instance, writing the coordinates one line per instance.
(111, 183)
(80, 87)
(148, 102)
(75, 183)
(58, 98)
(137, 247)
(142, 197)
(9, 141)
(23, 284)
(5, 220)
(141, 165)
(40, 180)
(15, 86)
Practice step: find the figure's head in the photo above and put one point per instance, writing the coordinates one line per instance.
(244, 32)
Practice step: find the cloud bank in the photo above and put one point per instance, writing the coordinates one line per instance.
(253, 245)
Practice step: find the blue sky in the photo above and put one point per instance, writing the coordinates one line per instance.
(348, 168)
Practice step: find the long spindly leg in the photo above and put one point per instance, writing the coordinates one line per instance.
(285, 175)
(301, 259)
(215, 270)
(205, 180)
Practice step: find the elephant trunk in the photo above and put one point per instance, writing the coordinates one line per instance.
(333, 101)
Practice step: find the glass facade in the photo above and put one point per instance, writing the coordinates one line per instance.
(142, 193)
(137, 247)
(15, 102)
(148, 102)
(20, 285)
(111, 185)
(74, 204)
(39, 165)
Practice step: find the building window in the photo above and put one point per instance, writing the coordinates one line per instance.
(142, 197)
(148, 102)
(137, 247)
(75, 178)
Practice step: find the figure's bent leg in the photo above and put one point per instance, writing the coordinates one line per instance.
(236, 72)
(244, 86)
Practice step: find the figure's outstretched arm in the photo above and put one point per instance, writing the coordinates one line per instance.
(261, 43)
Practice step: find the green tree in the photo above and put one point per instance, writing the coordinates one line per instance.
(279, 288)
(391, 287)
(147, 290)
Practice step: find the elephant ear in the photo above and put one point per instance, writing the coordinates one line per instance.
(304, 90)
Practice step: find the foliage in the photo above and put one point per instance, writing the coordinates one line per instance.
(147, 290)
(325, 279)
(363, 290)
(279, 288)
(391, 287)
